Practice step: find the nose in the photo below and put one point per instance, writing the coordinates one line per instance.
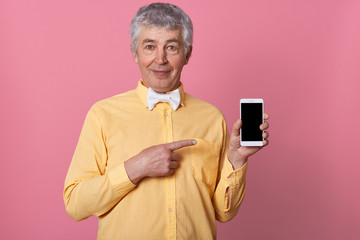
(161, 56)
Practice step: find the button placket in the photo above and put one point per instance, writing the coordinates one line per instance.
(170, 180)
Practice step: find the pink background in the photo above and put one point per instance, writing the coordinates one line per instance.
(57, 58)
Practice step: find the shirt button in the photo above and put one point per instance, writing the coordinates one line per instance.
(166, 113)
(169, 177)
(170, 209)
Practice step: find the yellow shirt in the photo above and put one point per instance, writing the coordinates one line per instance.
(183, 206)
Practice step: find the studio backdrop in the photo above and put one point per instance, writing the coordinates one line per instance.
(57, 58)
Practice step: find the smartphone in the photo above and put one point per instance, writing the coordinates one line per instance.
(252, 116)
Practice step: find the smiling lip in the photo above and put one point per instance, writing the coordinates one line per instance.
(160, 73)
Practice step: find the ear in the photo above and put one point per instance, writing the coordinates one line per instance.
(134, 54)
(188, 55)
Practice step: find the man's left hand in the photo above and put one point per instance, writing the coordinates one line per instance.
(238, 154)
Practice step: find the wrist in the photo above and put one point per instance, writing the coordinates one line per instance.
(133, 171)
(238, 162)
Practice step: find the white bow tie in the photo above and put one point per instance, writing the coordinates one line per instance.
(153, 98)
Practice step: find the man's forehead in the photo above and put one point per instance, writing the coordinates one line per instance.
(150, 33)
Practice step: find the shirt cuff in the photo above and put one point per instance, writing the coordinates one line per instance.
(235, 177)
(120, 180)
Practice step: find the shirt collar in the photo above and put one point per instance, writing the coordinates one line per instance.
(142, 91)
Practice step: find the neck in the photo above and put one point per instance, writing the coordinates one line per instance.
(164, 90)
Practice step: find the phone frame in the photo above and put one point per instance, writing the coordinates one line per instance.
(252, 143)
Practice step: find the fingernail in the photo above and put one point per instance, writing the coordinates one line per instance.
(194, 142)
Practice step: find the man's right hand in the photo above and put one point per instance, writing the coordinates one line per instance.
(156, 161)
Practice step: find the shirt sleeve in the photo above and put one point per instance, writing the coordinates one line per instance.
(90, 189)
(230, 188)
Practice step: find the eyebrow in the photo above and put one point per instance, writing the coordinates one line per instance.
(148, 40)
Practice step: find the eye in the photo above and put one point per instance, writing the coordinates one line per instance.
(149, 47)
(171, 47)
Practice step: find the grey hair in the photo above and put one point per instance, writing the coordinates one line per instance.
(164, 15)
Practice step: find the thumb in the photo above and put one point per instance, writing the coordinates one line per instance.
(236, 128)
(234, 141)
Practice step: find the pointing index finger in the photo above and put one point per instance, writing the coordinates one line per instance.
(180, 144)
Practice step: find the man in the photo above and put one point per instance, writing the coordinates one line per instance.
(155, 162)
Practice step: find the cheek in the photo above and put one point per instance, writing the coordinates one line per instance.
(177, 64)
(145, 60)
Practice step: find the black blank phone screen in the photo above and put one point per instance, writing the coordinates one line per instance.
(251, 116)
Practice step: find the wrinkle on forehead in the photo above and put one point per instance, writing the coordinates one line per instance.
(154, 34)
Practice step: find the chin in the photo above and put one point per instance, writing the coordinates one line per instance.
(162, 86)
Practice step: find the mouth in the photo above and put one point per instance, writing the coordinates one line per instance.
(161, 72)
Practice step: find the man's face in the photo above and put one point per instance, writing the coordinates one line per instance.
(161, 56)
